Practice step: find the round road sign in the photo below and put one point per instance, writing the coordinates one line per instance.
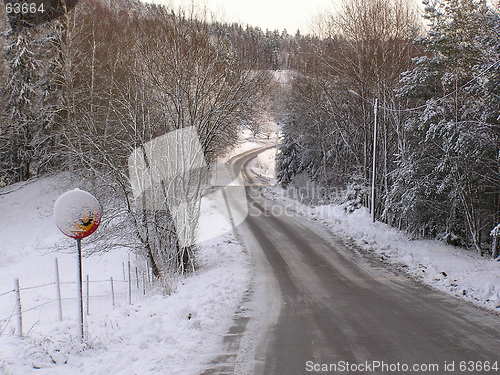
(78, 213)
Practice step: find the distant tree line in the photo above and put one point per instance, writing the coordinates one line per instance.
(437, 157)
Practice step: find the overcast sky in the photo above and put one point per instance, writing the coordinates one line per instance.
(271, 14)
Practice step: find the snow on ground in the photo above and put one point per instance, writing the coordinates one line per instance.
(264, 165)
(453, 270)
(29, 237)
(247, 142)
(158, 334)
(283, 76)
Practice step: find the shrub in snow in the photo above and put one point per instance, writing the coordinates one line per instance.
(451, 239)
(495, 232)
(353, 199)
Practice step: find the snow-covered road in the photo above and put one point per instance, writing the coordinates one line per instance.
(315, 301)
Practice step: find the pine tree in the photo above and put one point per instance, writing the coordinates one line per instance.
(27, 132)
(287, 160)
(449, 165)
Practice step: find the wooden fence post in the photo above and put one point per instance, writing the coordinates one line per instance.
(129, 285)
(149, 277)
(136, 277)
(112, 291)
(18, 308)
(58, 289)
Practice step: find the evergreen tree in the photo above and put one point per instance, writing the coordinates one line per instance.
(447, 170)
(287, 160)
(27, 132)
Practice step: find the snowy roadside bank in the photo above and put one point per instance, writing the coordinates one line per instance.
(455, 271)
(264, 165)
(158, 334)
(174, 334)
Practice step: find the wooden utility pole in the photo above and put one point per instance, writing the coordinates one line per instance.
(374, 167)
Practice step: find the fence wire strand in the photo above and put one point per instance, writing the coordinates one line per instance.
(5, 322)
(37, 286)
(38, 306)
(4, 294)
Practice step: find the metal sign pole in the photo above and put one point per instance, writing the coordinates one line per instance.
(80, 288)
(78, 215)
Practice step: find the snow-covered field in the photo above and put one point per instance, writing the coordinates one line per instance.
(157, 334)
(453, 270)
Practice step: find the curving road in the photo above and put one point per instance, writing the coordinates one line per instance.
(316, 302)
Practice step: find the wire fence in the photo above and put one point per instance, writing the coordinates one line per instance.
(137, 280)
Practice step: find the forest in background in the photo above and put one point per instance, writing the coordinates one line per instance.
(437, 88)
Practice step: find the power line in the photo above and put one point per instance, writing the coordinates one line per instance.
(437, 100)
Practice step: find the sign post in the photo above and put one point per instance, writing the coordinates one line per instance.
(78, 215)
(80, 288)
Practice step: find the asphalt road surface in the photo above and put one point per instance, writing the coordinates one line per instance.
(314, 302)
